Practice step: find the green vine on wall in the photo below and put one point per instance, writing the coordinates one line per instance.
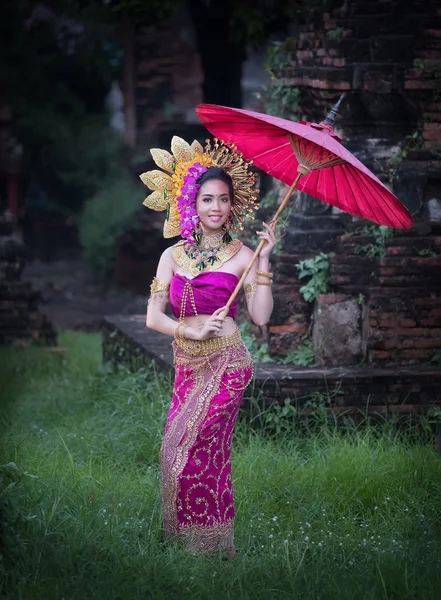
(280, 99)
(431, 68)
(376, 249)
(317, 269)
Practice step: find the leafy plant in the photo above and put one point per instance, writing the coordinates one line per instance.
(279, 56)
(432, 68)
(412, 141)
(428, 252)
(270, 200)
(319, 404)
(280, 99)
(334, 34)
(436, 358)
(317, 269)
(381, 235)
(259, 352)
(303, 355)
(279, 418)
(104, 218)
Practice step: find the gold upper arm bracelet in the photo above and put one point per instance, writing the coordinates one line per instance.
(158, 285)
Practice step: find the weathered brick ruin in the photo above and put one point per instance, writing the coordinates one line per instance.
(21, 321)
(377, 332)
(369, 50)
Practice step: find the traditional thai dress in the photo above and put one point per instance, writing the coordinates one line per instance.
(210, 379)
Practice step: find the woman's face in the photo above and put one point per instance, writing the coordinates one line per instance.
(213, 205)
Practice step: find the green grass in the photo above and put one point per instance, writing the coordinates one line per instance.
(319, 516)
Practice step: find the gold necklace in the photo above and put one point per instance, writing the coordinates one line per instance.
(208, 255)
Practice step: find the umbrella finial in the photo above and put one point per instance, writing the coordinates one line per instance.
(330, 118)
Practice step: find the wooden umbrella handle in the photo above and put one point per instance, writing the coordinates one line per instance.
(259, 248)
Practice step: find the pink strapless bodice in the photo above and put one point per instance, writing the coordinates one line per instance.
(211, 291)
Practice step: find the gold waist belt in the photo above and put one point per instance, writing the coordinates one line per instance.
(206, 347)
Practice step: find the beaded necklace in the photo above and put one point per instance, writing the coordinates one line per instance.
(209, 254)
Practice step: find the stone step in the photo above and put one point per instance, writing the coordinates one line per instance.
(352, 390)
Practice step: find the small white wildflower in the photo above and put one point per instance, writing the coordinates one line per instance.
(306, 538)
(105, 522)
(270, 536)
(275, 518)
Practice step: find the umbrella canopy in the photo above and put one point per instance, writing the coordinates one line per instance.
(283, 148)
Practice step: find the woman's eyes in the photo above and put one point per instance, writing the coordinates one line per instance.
(208, 199)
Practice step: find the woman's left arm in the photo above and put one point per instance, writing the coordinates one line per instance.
(258, 282)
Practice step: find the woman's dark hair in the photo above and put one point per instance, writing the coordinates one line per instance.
(216, 173)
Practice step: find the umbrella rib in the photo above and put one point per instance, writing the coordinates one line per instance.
(381, 205)
(348, 182)
(270, 150)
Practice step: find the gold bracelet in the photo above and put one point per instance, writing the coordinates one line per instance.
(265, 274)
(180, 331)
(269, 282)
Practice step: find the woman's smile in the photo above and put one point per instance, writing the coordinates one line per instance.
(213, 204)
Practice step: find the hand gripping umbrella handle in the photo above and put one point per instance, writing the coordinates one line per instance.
(259, 248)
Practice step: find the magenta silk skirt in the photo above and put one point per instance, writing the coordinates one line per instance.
(197, 491)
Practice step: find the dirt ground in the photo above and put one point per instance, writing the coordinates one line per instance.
(72, 298)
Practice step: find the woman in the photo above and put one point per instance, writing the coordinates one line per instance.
(206, 193)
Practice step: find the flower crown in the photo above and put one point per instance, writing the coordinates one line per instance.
(175, 190)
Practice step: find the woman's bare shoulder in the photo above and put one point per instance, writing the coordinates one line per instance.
(166, 264)
(245, 252)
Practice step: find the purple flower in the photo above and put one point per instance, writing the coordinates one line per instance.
(186, 201)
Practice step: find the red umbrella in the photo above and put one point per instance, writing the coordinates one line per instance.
(308, 156)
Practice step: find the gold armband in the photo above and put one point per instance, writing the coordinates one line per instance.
(158, 285)
(265, 274)
(267, 282)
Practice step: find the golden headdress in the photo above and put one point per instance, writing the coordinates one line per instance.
(167, 184)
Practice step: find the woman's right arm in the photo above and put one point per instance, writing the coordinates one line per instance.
(156, 318)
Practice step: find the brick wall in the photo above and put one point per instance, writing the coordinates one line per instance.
(400, 294)
(368, 49)
(168, 77)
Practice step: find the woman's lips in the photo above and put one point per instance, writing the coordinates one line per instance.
(215, 217)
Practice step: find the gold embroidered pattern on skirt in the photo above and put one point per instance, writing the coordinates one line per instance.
(197, 494)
